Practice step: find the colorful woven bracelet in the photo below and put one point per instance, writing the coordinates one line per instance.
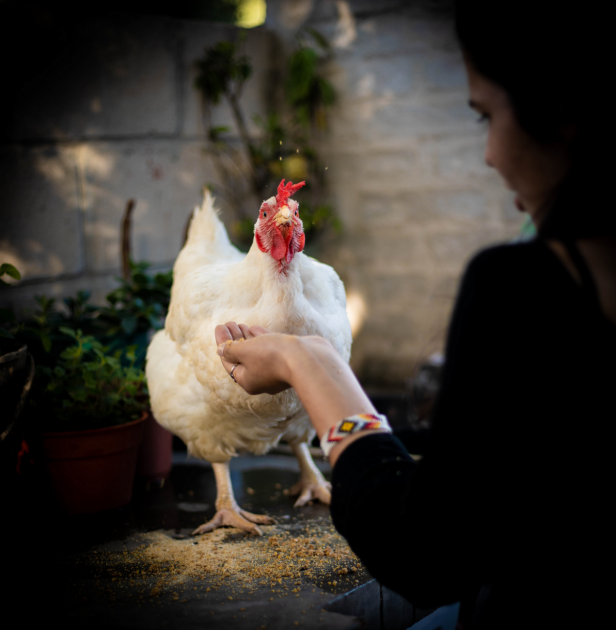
(350, 425)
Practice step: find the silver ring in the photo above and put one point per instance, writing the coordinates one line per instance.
(231, 373)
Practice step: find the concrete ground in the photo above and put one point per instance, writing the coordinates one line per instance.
(140, 567)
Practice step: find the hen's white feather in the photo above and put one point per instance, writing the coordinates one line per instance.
(191, 393)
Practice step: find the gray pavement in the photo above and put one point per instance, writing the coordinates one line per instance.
(140, 567)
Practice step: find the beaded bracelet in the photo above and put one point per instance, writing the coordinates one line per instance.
(350, 425)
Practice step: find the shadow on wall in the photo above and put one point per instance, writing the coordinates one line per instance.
(101, 109)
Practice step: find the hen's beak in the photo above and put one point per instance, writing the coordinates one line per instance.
(284, 216)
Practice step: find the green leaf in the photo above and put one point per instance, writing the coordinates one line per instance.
(9, 270)
(46, 341)
(216, 132)
(5, 333)
(114, 296)
(95, 344)
(328, 96)
(71, 353)
(164, 280)
(68, 331)
(140, 279)
(114, 363)
(79, 394)
(90, 381)
(129, 325)
(131, 389)
(219, 69)
(302, 70)
(7, 315)
(320, 39)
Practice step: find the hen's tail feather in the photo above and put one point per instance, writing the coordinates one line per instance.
(207, 242)
(205, 224)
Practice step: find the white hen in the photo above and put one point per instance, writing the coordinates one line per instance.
(276, 286)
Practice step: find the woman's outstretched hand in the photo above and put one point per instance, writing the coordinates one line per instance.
(262, 367)
(269, 363)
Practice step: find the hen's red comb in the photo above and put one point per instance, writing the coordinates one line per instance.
(284, 192)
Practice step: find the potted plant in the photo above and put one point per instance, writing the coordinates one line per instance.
(133, 312)
(91, 410)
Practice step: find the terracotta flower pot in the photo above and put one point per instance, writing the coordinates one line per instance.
(155, 452)
(93, 470)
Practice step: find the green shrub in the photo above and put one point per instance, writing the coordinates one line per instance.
(89, 359)
(89, 387)
(134, 310)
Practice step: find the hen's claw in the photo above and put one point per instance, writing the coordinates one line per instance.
(228, 512)
(311, 484)
(229, 517)
(311, 492)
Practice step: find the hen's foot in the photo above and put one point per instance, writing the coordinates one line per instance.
(311, 484)
(312, 490)
(235, 517)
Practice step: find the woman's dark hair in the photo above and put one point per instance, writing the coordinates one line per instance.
(554, 59)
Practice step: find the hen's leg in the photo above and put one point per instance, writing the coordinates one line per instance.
(311, 484)
(228, 512)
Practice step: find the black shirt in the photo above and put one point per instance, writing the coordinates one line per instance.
(516, 485)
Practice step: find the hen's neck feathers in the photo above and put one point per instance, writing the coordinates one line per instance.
(275, 281)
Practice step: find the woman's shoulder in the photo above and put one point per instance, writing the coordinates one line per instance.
(525, 264)
(516, 276)
(517, 256)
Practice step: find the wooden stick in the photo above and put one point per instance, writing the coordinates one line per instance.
(125, 243)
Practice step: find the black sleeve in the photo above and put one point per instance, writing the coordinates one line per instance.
(429, 529)
(415, 441)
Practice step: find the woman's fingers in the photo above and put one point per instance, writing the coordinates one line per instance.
(255, 331)
(246, 331)
(234, 329)
(228, 350)
(258, 359)
(233, 332)
(222, 334)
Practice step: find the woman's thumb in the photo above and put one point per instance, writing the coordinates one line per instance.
(227, 350)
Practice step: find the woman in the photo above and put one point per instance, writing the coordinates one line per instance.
(508, 511)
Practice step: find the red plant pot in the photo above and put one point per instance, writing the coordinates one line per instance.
(155, 452)
(93, 470)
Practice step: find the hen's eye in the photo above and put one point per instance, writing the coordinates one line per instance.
(264, 214)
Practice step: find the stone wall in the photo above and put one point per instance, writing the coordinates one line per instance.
(112, 116)
(115, 116)
(406, 173)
